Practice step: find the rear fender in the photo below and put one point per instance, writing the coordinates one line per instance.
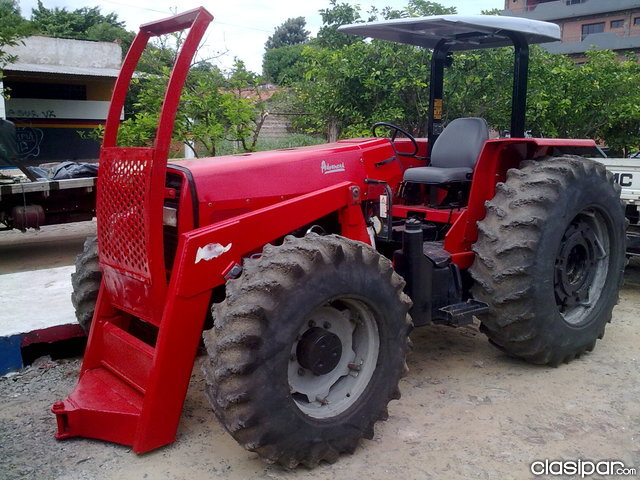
(496, 158)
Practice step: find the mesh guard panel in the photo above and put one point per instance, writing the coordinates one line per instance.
(124, 184)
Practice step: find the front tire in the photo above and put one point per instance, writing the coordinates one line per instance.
(85, 282)
(307, 349)
(549, 260)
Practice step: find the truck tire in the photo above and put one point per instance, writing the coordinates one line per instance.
(550, 256)
(307, 349)
(86, 283)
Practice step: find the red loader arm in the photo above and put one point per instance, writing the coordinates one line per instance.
(130, 392)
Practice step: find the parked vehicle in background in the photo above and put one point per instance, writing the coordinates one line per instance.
(626, 173)
(31, 197)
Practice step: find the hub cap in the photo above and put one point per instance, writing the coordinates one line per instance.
(334, 357)
(581, 265)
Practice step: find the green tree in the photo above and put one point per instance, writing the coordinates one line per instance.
(336, 15)
(283, 65)
(60, 22)
(349, 89)
(350, 84)
(283, 52)
(80, 24)
(248, 110)
(213, 108)
(13, 27)
(291, 32)
(419, 8)
(596, 99)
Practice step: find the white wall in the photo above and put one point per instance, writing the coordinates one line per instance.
(57, 109)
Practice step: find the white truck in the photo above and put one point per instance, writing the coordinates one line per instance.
(626, 172)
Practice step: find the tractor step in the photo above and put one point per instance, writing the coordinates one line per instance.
(112, 392)
(462, 313)
(126, 356)
(112, 404)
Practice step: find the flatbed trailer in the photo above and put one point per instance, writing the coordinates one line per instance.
(33, 204)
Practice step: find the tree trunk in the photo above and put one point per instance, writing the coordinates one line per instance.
(333, 131)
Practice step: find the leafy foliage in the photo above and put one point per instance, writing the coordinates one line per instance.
(379, 81)
(283, 50)
(214, 108)
(419, 8)
(338, 14)
(291, 32)
(60, 22)
(12, 28)
(597, 99)
(80, 24)
(350, 83)
(283, 65)
(343, 83)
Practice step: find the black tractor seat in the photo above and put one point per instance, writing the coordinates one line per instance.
(454, 154)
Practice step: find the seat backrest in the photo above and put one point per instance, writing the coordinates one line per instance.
(460, 143)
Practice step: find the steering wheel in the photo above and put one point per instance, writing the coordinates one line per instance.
(396, 129)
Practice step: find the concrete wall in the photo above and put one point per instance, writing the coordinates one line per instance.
(57, 109)
(59, 52)
(275, 127)
(60, 92)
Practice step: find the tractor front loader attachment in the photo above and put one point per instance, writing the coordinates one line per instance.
(130, 391)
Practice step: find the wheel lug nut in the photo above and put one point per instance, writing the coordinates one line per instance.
(327, 325)
(301, 372)
(312, 323)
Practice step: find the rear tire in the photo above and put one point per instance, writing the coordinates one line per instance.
(307, 349)
(549, 260)
(86, 283)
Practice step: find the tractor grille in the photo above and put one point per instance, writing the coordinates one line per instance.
(170, 233)
(124, 187)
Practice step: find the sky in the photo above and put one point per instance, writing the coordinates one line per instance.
(240, 27)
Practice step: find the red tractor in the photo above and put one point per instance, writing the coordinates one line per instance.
(307, 268)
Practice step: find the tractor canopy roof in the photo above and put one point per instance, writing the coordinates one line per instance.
(461, 32)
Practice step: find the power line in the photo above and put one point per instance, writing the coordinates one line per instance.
(139, 7)
(242, 26)
(169, 12)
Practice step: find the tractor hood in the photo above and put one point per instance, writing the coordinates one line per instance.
(462, 32)
(231, 185)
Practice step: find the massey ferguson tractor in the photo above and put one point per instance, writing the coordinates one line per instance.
(307, 268)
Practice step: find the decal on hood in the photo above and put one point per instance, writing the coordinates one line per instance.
(331, 167)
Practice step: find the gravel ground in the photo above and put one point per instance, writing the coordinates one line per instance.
(467, 412)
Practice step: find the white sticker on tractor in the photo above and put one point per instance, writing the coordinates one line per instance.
(331, 167)
(384, 206)
(211, 251)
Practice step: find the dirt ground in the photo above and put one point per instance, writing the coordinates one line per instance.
(467, 411)
(51, 246)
